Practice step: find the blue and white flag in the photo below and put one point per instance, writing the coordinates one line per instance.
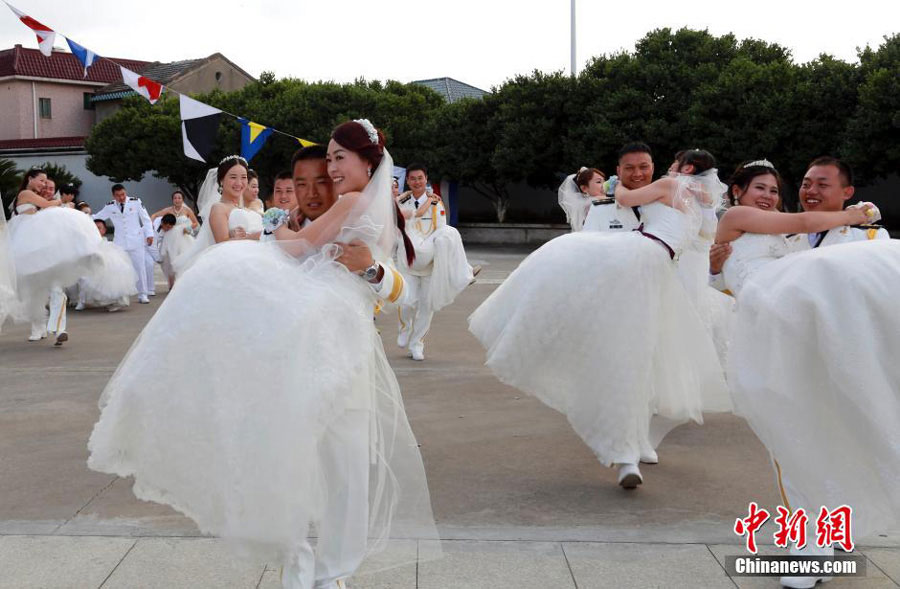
(84, 55)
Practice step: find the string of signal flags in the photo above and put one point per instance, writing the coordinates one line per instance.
(199, 121)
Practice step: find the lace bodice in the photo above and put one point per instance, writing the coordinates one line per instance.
(749, 252)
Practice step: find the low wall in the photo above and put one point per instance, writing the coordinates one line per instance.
(510, 233)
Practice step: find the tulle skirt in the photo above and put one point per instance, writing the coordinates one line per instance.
(813, 369)
(112, 279)
(218, 408)
(52, 248)
(451, 273)
(599, 327)
(175, 243)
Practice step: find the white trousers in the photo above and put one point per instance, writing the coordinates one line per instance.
(415, 319)
(343, 529)
(149, 264)
(139, 263)
(56, 323)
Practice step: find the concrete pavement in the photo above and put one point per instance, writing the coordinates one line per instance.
(519, 499)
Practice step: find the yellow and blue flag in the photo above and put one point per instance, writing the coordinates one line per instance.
(253, 137)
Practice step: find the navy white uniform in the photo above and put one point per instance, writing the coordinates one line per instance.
(132, 228)
(845, 234)
(606, 215)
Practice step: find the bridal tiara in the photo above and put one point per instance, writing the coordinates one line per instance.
(233, 157)
(369, 128)
(761, 163)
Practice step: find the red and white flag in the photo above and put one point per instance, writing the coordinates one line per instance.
(144, 86)
(45, 35)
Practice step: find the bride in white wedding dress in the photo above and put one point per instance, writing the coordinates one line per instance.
(599, 326)
(315, 436)
(811, 362)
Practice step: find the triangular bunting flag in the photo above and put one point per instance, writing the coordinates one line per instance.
(45, 35)
(304, 142)
(253, 137)
(144, 86)
(199, 127)
(85, 56)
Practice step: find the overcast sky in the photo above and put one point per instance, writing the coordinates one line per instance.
(481, 42)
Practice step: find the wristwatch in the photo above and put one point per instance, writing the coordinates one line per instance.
(371, 272)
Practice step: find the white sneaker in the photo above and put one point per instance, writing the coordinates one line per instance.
(79, 306)
(630, 476)
(37, 334)
(142, 299)
(403, 339)
(802, 582)
(649, 457)
(152, 293)
(417, 355)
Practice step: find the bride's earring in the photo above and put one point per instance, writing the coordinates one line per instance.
(369, 172)
(219, 189)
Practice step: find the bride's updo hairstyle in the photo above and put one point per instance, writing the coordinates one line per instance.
(701, 159)
(584, 176)
(353, 136)
(228, 163)
(746, 172)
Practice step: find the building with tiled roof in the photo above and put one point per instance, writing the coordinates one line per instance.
(452, 90)
(189, 76)
(43, 97)
(30, 63)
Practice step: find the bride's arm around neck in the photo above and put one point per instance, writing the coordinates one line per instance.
(745, 219)
(327, 226)
(662, 189)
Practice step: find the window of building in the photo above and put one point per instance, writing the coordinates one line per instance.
(88, 105)
(44, 104)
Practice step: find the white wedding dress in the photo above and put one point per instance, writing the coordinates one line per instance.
(233, 441)
(599, 327)
(52, 247)
(440, 254)
(813, 369)
(113, 279)
(175, 242)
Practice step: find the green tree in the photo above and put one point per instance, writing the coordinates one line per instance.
(466, 133)
(872, 143)
(10, 177)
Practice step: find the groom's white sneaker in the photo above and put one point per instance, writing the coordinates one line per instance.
(630, 476)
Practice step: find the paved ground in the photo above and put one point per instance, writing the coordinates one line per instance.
(520, 501)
